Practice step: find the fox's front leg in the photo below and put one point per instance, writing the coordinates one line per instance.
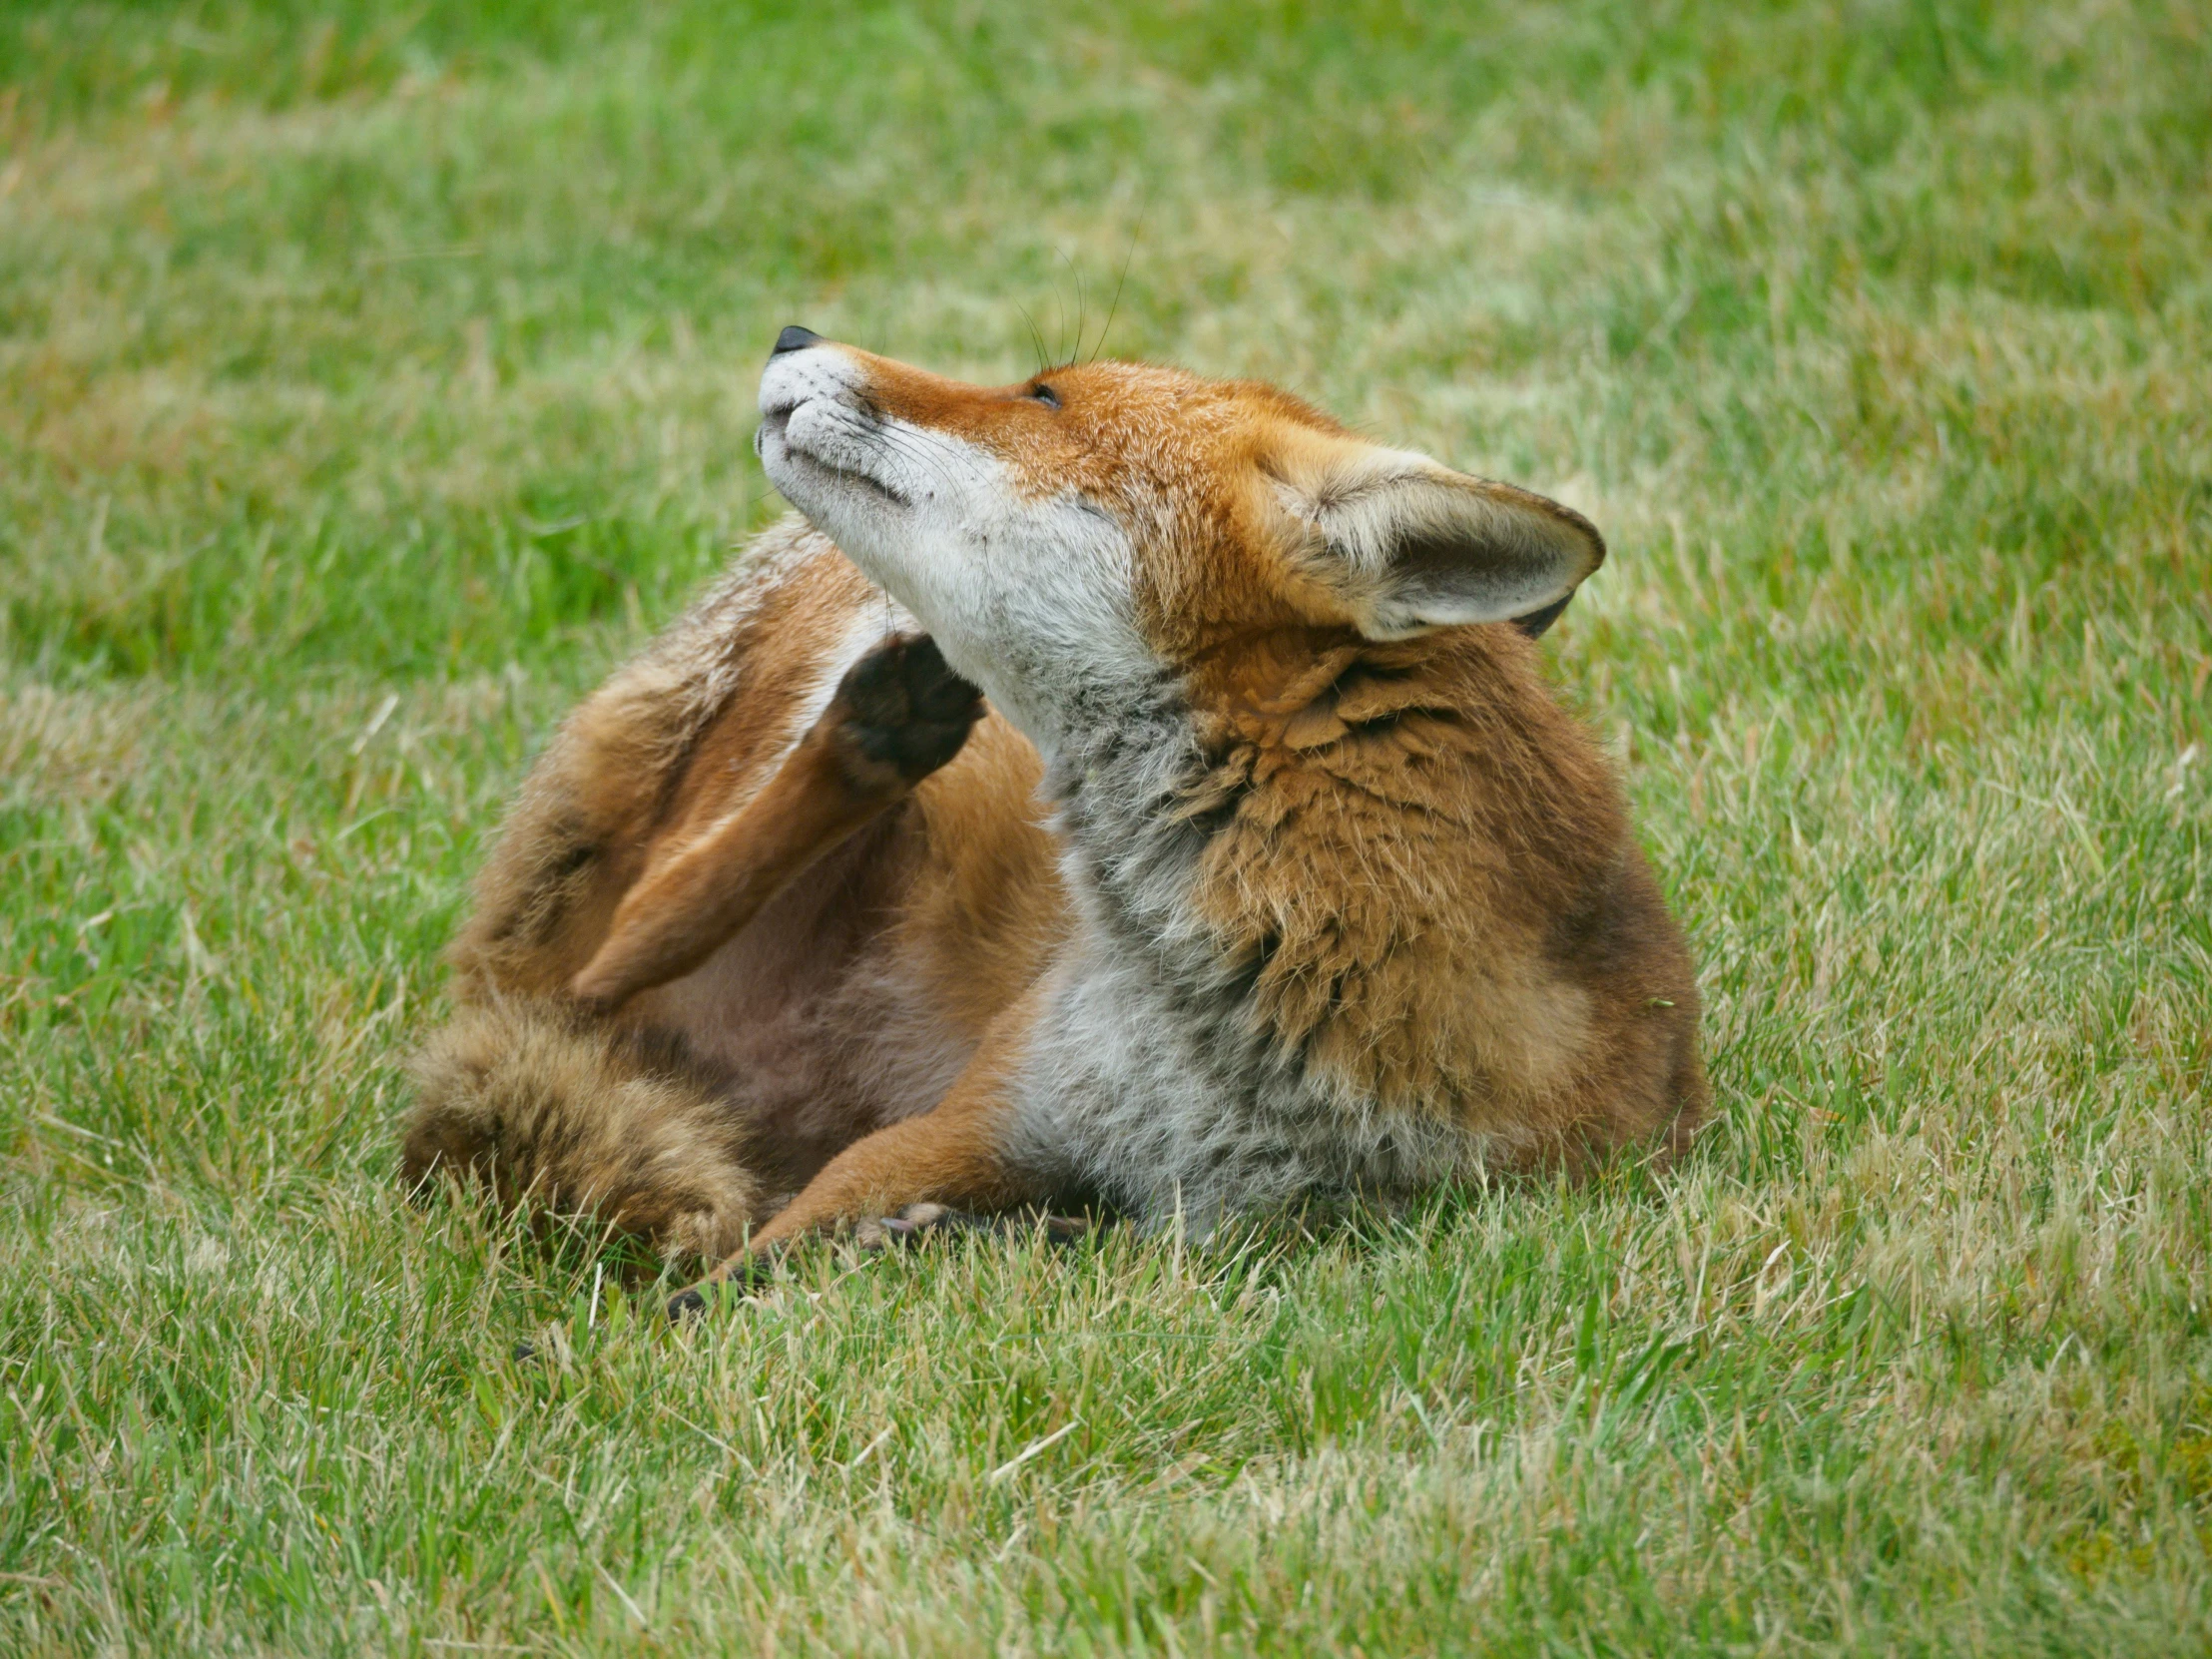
(899, 714)
(959, 1154)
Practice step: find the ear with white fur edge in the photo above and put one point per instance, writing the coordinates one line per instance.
(1412, 545)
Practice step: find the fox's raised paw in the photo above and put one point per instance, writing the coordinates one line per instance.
(902, 706)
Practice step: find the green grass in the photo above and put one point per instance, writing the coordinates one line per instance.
(370, 380)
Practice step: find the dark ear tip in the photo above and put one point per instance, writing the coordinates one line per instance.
(1536, 622)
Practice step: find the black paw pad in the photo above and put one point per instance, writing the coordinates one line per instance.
(904, 709)
(686, 1305)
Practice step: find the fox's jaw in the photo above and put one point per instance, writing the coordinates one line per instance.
(1083, 539)
(1030, 594)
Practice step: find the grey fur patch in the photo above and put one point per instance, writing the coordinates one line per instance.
(1149, 1080)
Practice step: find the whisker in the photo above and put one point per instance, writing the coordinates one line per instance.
(1082, 309)
(1060, 310)
(925, 460)
(1142, 209)
(1035, 336)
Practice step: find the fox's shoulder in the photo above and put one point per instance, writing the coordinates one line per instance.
(1396, 831)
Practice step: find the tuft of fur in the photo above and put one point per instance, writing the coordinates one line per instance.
(579, 1118)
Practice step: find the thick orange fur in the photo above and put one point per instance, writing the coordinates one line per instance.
(1431, 872)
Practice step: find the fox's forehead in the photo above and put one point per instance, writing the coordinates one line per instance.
(1185, 464)
(1104, 428)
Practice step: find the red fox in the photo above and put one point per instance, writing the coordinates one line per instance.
(1119, 783)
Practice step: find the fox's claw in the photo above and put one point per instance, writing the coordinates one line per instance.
(732, 1280)
(922, 1221)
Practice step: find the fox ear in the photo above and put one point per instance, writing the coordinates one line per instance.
(1412, 545)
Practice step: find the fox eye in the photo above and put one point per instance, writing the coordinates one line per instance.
(1045, 395)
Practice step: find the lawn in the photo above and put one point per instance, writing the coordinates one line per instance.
(372, 379)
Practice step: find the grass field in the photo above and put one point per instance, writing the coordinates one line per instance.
(370, 380)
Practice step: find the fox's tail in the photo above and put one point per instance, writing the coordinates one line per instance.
(573, 1117)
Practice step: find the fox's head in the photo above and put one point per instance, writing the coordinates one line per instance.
(1098, 529)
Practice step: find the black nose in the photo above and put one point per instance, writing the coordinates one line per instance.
(794, 339)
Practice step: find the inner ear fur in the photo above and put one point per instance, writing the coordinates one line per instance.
(1412, 545)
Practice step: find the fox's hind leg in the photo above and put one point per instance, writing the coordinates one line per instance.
(899, 714)
(554, 1104)
(675, 802)
(962, 1155)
